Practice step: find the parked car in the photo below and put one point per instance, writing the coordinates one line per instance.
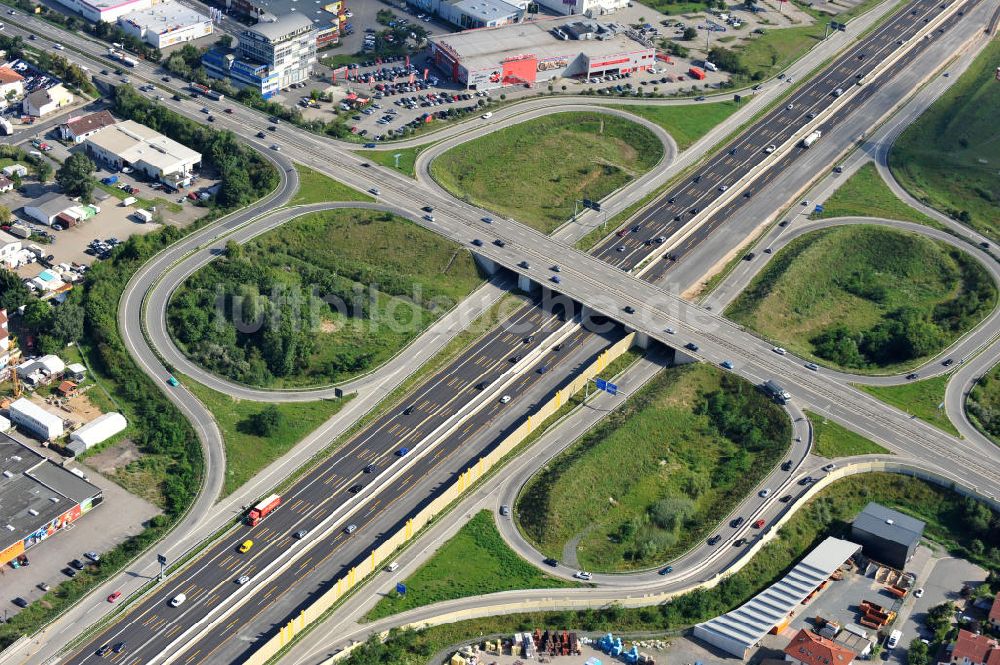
(114, 596)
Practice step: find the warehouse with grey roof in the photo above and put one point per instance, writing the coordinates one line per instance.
(38, 498)
(888, 536)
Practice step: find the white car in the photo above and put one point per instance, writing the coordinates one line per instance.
(670, 331)
(582, 575)
(242, 579)
(374, 190)
(919, 593)
(505, 399)
(487, 115)
(275, 147)
(771, 148)
(764, 493)
(59, 47)
(780, 351)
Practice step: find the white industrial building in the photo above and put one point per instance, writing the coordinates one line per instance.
(44, 101)
(47, 208)
(40, 423)
(9, 248)
(105, 10)
(41, 370)
(590, 8)
(128, 143)
(471, 14)
(738, 631)
(99, 429)
(165, 24)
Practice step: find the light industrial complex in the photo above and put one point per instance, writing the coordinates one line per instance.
(38, 498)
(130, 144)
(165, 24)
(531, 53)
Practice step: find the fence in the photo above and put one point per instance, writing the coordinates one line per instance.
(384, 552)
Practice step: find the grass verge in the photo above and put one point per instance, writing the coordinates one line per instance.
(407, 158)
(922, 399)
(948, 158)
(536, 170)
(475, 560)
(831, 440)
(314, 187)
(866, 298)
(688, 464)
(685, 123)
(983, 405)
(955, 523)
(254, 440)
(865, 194)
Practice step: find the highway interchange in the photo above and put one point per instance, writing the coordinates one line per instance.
(449, 398)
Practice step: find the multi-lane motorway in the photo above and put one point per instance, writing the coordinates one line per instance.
(150, 629)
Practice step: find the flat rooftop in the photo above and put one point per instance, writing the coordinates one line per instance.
(488, 47)
(486, 10)
(164, 17)
(315, 11)
(134, 143)
(34, 491)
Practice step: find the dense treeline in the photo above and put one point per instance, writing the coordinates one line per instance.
(908, 333)
(984, 403)
(244, 174)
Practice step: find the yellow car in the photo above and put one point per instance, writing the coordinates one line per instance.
(245, 547)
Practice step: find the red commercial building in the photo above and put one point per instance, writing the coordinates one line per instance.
(536, 52)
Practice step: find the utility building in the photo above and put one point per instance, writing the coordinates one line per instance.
(887, 536)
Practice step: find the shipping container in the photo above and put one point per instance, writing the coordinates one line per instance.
(697, 72)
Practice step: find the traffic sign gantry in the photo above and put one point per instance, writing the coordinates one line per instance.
(607, 387)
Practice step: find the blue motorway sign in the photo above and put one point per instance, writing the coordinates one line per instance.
(607, 387)
(400, 588)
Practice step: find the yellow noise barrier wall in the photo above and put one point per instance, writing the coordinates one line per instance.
(465, 480)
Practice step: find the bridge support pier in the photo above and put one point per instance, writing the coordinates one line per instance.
(526, 284)
(488, 266)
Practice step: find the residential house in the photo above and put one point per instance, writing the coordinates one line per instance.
(994, 617)
(808, 648)
(9, 248)
(15, 170)
(6, 184)
(11, 86)
(78, 128)
(973, 649)
(44, 101)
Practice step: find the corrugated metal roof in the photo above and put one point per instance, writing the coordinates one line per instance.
(747, 624)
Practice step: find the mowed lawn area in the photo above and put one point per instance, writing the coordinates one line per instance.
(407, 158)
(950, 156)
(250, 444)
(325, 297)
(314, 187)
(687, 122)
(983, 404)
(865, 194)
(535, 170)
(658, 474)
(923, 399)
(831, 440)
(475, 561)
(866, 298)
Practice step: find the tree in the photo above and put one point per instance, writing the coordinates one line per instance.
(76, 175)
(4, 214)
(689, 34)
(267, 422)
(917, 653)
(67, 323)
(13, 292)
(43, 170)
(37, 314)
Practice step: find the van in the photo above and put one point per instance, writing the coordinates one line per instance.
(838, 92)
(129, 200)
(894, 638)
(178, 600)
(392, 567)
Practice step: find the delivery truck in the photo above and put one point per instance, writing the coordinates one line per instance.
(812, 138)
(263, 509)
(143, 216)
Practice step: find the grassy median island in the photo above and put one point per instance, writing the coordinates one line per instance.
(866, 298)
(950, 156)
(983, 404)
(922, 399)
(686, 123)
(535, 170)
(257, 433)
(831, 440)
(325, 297)
(314, 187)
(865, 194)
(962, 526)
(476, 560)
(660, 472)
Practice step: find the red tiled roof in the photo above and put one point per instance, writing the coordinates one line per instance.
(977, 648)
(89, 123)
(995, 610)
(8, 75)
(812, 649)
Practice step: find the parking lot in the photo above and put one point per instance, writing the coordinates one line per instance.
(122, 515)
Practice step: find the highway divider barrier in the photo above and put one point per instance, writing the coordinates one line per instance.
(466, 480)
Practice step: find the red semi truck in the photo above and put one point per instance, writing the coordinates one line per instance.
(263, 509)
(697, 73)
